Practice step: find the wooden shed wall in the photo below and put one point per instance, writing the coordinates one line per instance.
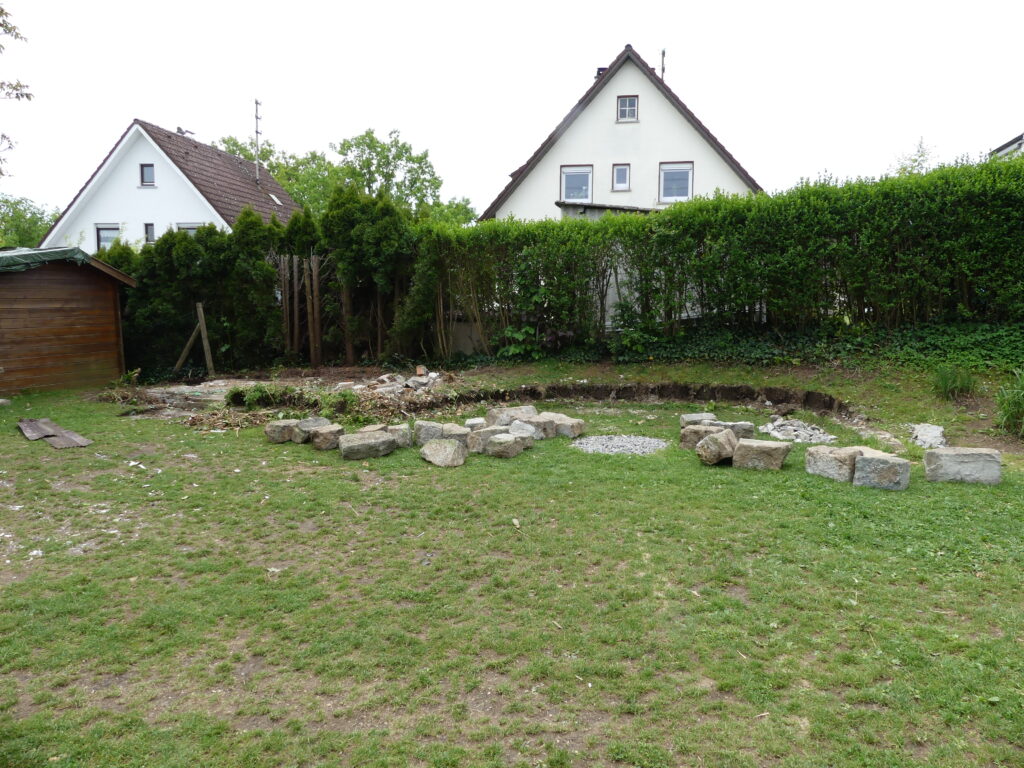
(60, 327)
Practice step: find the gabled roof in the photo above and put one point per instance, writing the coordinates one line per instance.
(1017, 142)
(628, 54)
(227, 183)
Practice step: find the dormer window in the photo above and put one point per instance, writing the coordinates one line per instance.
(627, 109)
(147, 176)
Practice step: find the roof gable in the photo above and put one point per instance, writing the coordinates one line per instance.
(228, 182)
(224, 182)
(627, 55)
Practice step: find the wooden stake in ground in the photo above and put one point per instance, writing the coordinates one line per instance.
(206, 339)
(188, 348)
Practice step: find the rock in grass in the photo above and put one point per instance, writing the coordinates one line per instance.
(890, 473)
(717, 447)
(504, 446)
(744, 430)
(502, 417)
(690, 435)
(425, 431)
(831, 462)
(4, 402)
(455, 432)
(545, 426)
(688, 419)
(279, 431)
(444, 453)
(477, 441)
(522, 429)
(374, 428)
(760, 454)
(301, 429)
(366, 445)
(565, 426)
(326, 438)
(476, 423)
(402, 434)
(963, 465)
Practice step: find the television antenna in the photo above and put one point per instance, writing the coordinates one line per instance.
(258, 134)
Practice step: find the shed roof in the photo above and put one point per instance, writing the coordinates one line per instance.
(21, 259)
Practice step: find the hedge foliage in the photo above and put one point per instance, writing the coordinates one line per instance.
(929, 266)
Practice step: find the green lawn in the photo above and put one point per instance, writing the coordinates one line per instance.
(227, 602)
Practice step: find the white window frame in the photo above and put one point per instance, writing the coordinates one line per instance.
(570, 170)
(623, 109)
(188, 226)
(616, 187)
(662, 197)
(107, 228)
(142, 175)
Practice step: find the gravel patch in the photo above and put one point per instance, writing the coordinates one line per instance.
(631, 444)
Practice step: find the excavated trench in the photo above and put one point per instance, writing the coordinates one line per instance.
(804, 399)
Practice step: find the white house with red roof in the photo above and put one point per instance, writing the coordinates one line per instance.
(154, 180)
(629, 144)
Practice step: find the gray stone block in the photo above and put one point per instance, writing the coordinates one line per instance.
(690, 435)
(426, 430)
(402, 434)
(476, 423)
(374, 428)
(744, 430)
(326, 438)
(717, 447)
(455, 432)
(760, 454)
(279, 431)
(444, 453)
(502, 417)
(302, 428)
(963, 465)
(477, 441)
(834, 463)
(692, 419)
(503, 446)
(890, 473)
(565, 426)
(366, 445)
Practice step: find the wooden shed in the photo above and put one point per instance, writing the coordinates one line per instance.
(60, 319)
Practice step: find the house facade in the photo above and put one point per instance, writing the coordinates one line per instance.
(154, 180)
(629, 144)
(1012, 147)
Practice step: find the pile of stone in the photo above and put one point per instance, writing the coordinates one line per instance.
(504, 433)
(396, 385)
(795, 431)
(716, 442)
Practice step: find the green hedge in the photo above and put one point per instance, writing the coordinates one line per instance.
(941, 247)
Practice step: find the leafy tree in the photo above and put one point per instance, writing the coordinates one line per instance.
(456, 211)
(10, 89)
(919, 160)
(390, 168)
(22, 222)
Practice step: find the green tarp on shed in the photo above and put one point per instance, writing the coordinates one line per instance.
(20, 259)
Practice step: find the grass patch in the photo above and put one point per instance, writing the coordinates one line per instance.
(950, 382)
(1010, 405)
(206, 598)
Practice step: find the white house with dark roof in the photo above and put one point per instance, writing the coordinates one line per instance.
(1014, 146)
(629, 144)
(154, 180)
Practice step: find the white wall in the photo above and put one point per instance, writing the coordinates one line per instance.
(660, 135)
(117, 197)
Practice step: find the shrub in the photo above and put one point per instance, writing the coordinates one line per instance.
(950, 382)
(1010, 405)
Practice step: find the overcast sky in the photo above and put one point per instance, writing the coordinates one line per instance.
(792, 89)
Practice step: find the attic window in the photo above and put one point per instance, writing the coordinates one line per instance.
(627, 109)
(274, 198)
(147, 176)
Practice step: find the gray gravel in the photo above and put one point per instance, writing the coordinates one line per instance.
(640, 446)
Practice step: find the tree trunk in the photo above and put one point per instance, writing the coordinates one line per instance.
(346, 323)
(295, 303)
(286, 331)
(309, 311)
(317, 333)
